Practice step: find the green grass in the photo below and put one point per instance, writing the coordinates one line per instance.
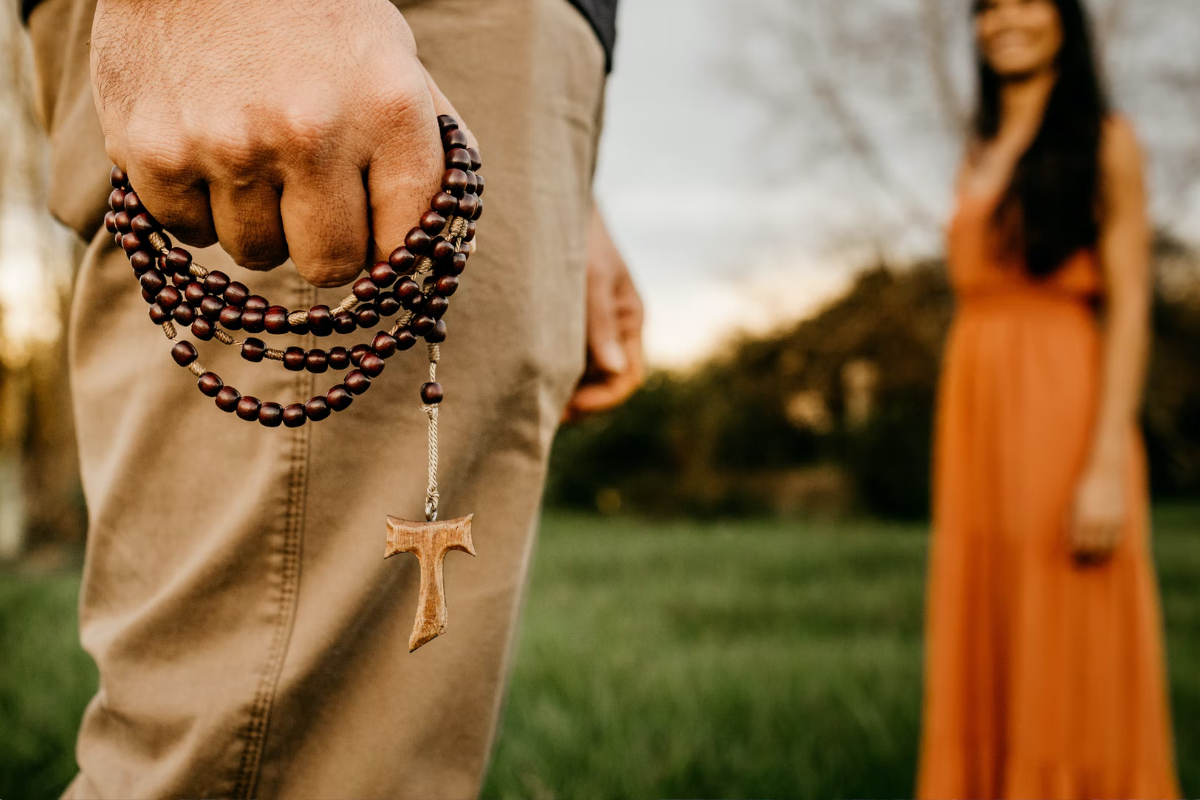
(749, 659)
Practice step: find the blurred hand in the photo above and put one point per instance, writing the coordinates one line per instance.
(303, 129)
(1099, 513)
(616, 366)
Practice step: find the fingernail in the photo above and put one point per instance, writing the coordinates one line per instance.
(613, 357)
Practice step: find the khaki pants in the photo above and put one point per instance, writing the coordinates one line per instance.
(251, 640)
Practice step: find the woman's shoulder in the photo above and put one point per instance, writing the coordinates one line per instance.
(1120, 149)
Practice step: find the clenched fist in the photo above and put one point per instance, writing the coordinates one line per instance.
(303, 129)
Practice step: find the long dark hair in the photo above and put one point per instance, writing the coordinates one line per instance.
(1055, 190)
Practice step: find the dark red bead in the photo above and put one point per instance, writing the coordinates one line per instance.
(148, 296)
(110, 222)
(203, 329)
(159, 314)
(407, 289)
(339, 358)
(121, 220)
(181, 280)
(476, 159)
(365, 289)
(436, 306)
(231, 318)
(454, 181)
(142, 224)
(211, 307)
(210, 383)
(455, 138)
(253, 321)
(431, 393)
(256, 303)
(247, 408)
(387, 305)
(422, 324)
(479, 185)
(316, 361)
(169, 297)
(118, 178)
(366, 316)
(236, 293)
(438, 334)
(445, 204)
(470, 234)
(184, 353)
(293, 415)
(446, 123)
(405, 339)
(320, 320)
(293, 358)
(443, 250)
(432, 222)
(131, 242)
(216, 282)
(357, 382)
(456, 265)
(253, 349)
(372, 364)
(471, 184)
(338, 398)
(152, 281)
(418, 241)
(384, 345)
(132, 204)
(383, 274)
(178, 260)
(446, 285)
(357, 352)
(402, 261)
(270, 415)
(184, 314)
(458, 158)
(343, 322)
(298, 328)
(469, 206)
(276, 320)
(228, 398)
(194, 293)
(316, 409)
(416, 304)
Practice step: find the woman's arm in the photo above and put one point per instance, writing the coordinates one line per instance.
(1101, 506)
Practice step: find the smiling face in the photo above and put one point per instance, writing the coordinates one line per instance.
(1019, 38)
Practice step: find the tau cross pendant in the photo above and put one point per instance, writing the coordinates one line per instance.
(429, 542)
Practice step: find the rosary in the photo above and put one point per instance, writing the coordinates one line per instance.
(424, 273)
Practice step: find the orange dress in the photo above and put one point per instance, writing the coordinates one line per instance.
(1043, 679)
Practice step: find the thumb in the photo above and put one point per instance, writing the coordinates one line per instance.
(603, 329)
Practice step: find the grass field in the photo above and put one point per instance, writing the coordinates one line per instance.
(758, 659)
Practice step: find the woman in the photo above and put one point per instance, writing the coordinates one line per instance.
(1044, 665)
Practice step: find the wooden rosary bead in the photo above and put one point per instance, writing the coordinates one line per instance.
(446, 285)
(143, 224)
(230, 318)
(184, 353)
(178, 260)
(479, 185)
(338, 398)
(366, 316)
(405, 339)
(256, 303)
(270, 415)
(476, 162)
(404, 262)
(372, 365)
(110, 221)
(406, 290)
(184, 314)
(357, 382)
(194, 293)
(469, 206)
(343, 321)
(445, 204)
(276, 320)
(118, 178)
(316, 361)
(253, 321)
(116, 200)
(216, 282)
(436, 306)
(383, 274)
(384, 345)
(121, 220)
(132, 204)
(293, 415)
(152, 281)
(147, 296)
(338, 358)
(365, 289)
(458, 158)
(159, 314)
(130, 242)
(438, 334)
(210, 383)
(169, 298)
(472, 185)
(422, 324)
(455, 138)
(203, 329)
(470, 234)
(357, 352)
(316, 409)
(253, 349)
(432, 223)
(320, 320)
(454, 181)
(455, 266)
(236, 293)
(443, 250)
(181, 280)
(431, 393)
(247, 408)
(387, 305)
(211, 307)
(299, 328)
(446, 123)
(293, 358)
(418, 241)
(228, 398)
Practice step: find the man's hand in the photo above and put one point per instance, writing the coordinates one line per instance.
(303, 129)
(615, 364)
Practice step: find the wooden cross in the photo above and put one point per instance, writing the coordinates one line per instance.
(429, 542)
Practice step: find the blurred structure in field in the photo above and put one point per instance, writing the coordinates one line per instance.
(40, 500)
